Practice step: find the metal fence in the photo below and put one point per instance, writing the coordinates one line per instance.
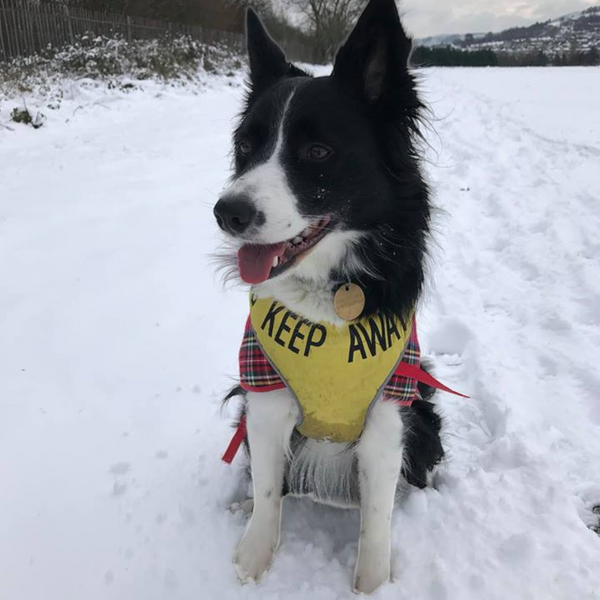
(28, 27)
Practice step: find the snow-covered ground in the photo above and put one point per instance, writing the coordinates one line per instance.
(117, 343)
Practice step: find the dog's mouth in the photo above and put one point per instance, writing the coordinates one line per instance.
(257, 262)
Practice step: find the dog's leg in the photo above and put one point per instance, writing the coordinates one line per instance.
(379, 454)
(271, 419)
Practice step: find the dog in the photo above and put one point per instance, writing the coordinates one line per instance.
(327, 217)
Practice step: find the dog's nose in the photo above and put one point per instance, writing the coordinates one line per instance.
(234, 214)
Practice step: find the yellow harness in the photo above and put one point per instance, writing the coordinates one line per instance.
(334, 372)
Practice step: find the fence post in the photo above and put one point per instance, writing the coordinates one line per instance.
(68, 21)
(3, 47)
(25, 29)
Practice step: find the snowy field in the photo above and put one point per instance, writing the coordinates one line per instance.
(117, 343)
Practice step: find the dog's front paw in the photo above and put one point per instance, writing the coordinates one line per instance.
(373, 569)
(254, 555)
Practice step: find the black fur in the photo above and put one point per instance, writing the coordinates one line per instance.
(267, 61)
(423, 446)
(368, 112)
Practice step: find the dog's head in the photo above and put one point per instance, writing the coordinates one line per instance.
(326, 174)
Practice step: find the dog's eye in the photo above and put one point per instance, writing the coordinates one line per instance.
(244, 147)
(318, 152)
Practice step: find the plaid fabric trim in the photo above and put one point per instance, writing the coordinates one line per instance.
(399, 388)
(258, 375)
(256, 372)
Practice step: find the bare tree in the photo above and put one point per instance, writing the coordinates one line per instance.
(330, 22)
(293, 39)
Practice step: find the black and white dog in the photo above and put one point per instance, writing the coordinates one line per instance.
(328, 189)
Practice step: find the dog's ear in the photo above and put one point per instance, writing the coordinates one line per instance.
(267, 60)
(374, 59)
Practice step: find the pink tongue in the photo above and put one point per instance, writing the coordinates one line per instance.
(255, 262)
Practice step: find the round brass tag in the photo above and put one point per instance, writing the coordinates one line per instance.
(349, 301)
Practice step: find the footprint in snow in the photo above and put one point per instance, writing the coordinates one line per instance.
(450, 336)
(121, 468)
(119, 489)
(118, 471)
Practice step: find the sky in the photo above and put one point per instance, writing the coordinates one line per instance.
(433, 17)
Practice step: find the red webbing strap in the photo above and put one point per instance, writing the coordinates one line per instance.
(263, 388)
(236, 442)
(404, 369)
(414, 372)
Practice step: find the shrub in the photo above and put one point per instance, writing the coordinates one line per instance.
(113, 60)
(22, 115)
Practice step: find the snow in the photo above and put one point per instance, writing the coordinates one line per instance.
(118, 343)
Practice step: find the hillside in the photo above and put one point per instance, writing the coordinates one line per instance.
(580, 31)
(571, 39)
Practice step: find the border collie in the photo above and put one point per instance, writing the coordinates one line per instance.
(327, 191)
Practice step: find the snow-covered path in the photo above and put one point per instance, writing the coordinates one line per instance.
(117, 342)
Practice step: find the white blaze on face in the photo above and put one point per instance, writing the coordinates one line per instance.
(267, 187)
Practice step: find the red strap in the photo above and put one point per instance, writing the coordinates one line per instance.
(404, 369)
(236, 442)
(414, 372)
(263, 388)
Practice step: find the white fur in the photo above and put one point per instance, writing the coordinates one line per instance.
(271, 419)
(266, 185)
(328, 466)
(380, 454)
(333, 251)
(305, 288)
